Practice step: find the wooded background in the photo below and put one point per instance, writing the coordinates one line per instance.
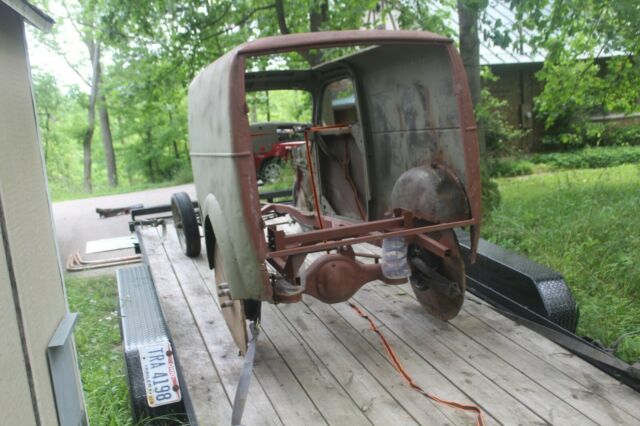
(142, 56)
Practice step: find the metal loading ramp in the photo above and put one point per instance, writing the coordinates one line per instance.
(321, 364)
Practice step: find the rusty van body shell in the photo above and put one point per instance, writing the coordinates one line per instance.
(414, 112)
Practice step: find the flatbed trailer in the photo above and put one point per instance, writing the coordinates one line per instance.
(322, 364)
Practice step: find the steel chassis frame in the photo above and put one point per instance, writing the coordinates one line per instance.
(338, 233)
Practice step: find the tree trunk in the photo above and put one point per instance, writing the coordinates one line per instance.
(470, 52)
(148, 149)
(94, 54)
(107, 142)
(317, 16)
(268, 106)
(176, 152)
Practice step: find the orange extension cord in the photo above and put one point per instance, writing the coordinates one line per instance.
(405, 375)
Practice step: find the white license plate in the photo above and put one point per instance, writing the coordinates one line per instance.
(160, 377)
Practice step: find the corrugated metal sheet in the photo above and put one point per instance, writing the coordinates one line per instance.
(490, 53)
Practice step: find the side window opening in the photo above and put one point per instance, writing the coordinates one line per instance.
(339, 103)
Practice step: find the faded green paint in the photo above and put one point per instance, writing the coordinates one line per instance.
(411, 109)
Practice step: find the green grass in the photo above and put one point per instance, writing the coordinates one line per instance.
(61, 193)
(285, 181)
(586, 225)
(586, 158)
(590, 158)
(99, 348)
(64, 193)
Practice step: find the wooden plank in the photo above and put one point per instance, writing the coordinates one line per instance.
(593, 392)
(211, 328)
(472, 378)
(286, 394)
(591, 379)
(590, 404)
(479, 389)
(507, 400)
(327, 394)
(319, 363)
(378, 405)
(537, 398)
(208, 397)
(374, 358)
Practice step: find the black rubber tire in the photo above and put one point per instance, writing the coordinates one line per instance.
(186, 223)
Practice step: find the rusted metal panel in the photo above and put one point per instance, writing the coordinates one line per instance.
(411, 112)
(294, 42)
(413, 106)
(222, 161)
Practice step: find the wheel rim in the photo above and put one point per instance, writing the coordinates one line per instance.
(271, 171)
(177, 222)
(434, 300)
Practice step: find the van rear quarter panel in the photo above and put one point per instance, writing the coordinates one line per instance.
(226, 171)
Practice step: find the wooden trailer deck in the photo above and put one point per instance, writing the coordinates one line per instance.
(321, 364)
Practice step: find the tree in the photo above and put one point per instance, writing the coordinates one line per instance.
(49, 104)
(83, 17)
(62, 118)
(318, 15)
(94, 54)
(468, 11)
(576, 36)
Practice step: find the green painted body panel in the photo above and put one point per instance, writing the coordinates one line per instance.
(410, 107)
(218, 182)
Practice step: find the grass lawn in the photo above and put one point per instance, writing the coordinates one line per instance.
(60, 193)
(99, 349)
(586, 225)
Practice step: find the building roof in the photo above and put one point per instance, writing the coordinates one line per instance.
(497, 13)
(31, 14)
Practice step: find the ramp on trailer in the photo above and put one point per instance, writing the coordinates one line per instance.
(321, 364)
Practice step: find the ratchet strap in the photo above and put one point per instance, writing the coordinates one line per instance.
(405, 375)
(245, 377)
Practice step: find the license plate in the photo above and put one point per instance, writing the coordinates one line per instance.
(160, 377)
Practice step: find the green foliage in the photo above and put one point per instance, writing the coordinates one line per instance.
(587, 158)
(100, 352)
(62, 120)
(584, 225)
(577, 34)
(422, 15)
(590, 158)
(491, 197)
(286, 180)
(279, 105)
(507, 167)
(621, 135)
(500, 136)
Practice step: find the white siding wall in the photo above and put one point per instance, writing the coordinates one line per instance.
(29, 248)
